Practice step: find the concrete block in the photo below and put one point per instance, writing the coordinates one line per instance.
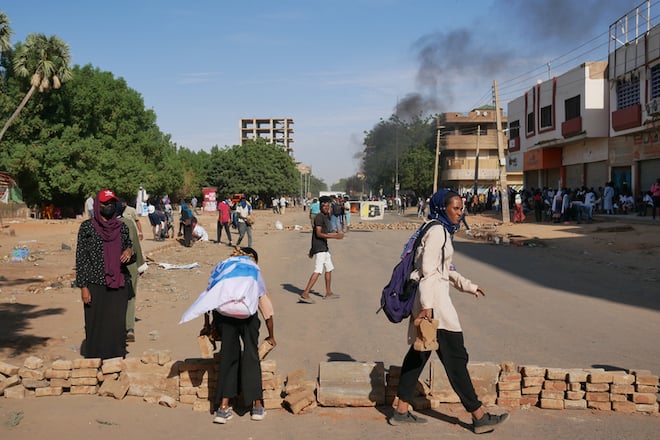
(115, 388)
(532, 371)
(8, 369)
(84, 381)
(273, 383)
(87, 363)
(531, 390)
(143, 383)
(552, 403)
(84, 389)
(646, 398)
(507, 376)
(11, 381)
(508, 386)
(575, 404)
(597, 387)
(624, 407)
(51, 373)
(601, 406)
(622, 378)
(62, 364)
(351, 384)
(597, 397)
(484, 379)
(646, 388)
(167, 401)
(28, 373)
(574, 395)
(556, 374)
(646, 379)
(552, 394)
(651, 408)
(190, 400)
(269, 365)
(15, 392)
(575, 376)
(188, 391)
(532, 381)
(31, 384)
(556, 385)
(113, 365)
(622, 389)
(48, 391)
(84, 372)
(33, 362)
(509, 403)
(598, 377)
(60, 383)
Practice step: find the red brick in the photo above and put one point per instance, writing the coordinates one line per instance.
(624, 407)
(622, 389)
(552, 403)
(645, 398)
(597, 387)
(602, 406)
(598, 397)
(556, 385)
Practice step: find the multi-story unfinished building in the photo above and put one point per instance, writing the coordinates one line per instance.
(466, 140)
(274, 130)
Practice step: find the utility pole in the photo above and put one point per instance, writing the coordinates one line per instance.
(437, 155)
(476, 162)
(504, 186)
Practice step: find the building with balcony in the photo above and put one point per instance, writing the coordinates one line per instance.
(634, 99)
(558, 130)
(277, 131)
(469, 150)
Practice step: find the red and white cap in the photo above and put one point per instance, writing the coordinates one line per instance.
(106, 195)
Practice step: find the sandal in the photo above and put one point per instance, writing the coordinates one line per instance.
(302, 299)
(332, 296)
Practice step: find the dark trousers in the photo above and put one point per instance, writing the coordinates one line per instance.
(454, 358)
(226, 227)
(239, 370)
(187, 235)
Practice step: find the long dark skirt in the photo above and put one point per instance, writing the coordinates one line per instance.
(105, 322)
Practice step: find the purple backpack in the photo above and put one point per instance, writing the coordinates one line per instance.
(399, 294)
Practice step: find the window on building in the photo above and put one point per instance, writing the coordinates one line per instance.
(514, 129)
(546, 116)
(655, 81)
(572, 107)
(627, 93)
(530, 122)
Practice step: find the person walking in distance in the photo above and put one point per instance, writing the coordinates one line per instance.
(436, 273)
(321, 253)
(224, 218)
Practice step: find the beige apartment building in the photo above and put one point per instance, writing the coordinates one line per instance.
(274, 130)
(468, 145)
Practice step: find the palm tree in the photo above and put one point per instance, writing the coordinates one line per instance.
(47, 61)
(5, 32)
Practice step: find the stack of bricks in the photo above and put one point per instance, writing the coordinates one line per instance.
(532, 383)
(509, 393)
(646, 387)
(197, 377)
(272, 384)
(85, 376)
(300, 392)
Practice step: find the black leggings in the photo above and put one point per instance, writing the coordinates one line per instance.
(454, 358)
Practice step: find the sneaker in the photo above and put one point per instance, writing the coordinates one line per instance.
(223, 415)
(302, 299)
(130, 336)
(258, 413)
(403, 419)
(488, 423)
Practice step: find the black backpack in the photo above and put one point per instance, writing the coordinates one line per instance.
(398, 295)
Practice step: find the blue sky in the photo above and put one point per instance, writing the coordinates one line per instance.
(335, 67)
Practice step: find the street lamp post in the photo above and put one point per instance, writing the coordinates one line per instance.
(437, 157)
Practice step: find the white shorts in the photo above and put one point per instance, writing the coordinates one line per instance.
(322, 261)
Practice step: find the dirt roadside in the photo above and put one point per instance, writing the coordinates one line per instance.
(40, 314)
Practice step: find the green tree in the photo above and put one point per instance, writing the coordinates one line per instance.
(316, 185)
(5, 33)
(416, 174)
(254, 169)
(46, 61)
